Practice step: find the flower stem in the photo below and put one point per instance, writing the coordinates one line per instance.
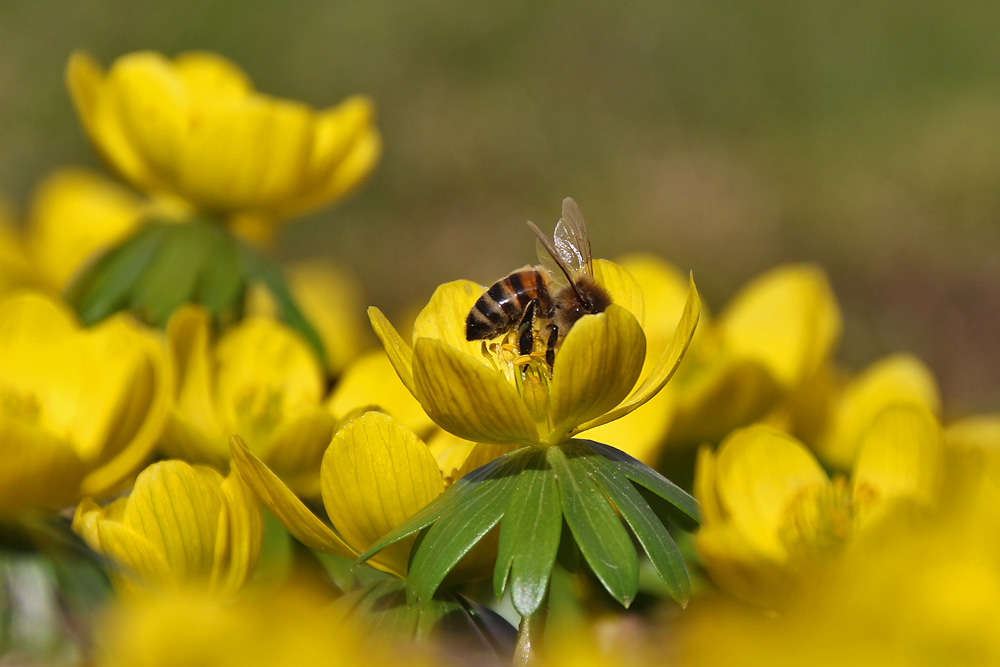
(529, 638)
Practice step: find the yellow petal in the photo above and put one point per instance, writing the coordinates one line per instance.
(900, 458)
(399, 351)
(641, 433)
(74, 215)
(788, 320)
(195, 430)
(443, 318)
(100, 117)
(624, 289)
(138, 424)
(897, 379)
(249, 154)
(597, 365)
(346, 148)
(148, 102)
(266, 377)
(760, 473)
(175, 506)
(143, 562)
(371, 381)
(207, 74)
(39, 471)
(664, 290)
(245, 528)
(331, 298)
(305, 526)
(469, 399)
(375, 474)
(664, 368)
(977, 432)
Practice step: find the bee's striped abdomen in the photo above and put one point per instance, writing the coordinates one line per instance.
(501, 307)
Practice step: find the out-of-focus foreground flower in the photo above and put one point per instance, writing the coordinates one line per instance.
(187, 629)
(773, 519)
(259, 380)
(179, 525)
(920, 587)
(193, 129)
(80, 409)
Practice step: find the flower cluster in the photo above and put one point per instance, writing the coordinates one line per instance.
(162, 383)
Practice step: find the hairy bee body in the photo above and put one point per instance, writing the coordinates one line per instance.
(554, 295)
(502, 307)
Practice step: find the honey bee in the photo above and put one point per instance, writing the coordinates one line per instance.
(555, 293)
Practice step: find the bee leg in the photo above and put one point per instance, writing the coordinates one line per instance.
(525, 330)
(550, 348)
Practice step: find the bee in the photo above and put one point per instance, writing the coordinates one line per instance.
(555, 293)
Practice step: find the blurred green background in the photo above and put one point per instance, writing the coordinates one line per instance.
(726, 136)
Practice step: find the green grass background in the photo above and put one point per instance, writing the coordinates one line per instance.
(726, 136)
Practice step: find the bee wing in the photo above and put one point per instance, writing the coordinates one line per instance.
(571, 240)
(568, 253)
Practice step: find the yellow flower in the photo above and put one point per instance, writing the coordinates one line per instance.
(921, 589)
(482, 393)
(259, 380)
(375, 474)
(80, 409)
(180, 524)
(770, 342)
(771, 516)
(74, 215)
(194, 129)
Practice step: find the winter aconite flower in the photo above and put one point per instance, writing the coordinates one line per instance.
(482, 392)
(193, 129)
(771, 517)
(179, 525)
(80, 409)
(259, 380)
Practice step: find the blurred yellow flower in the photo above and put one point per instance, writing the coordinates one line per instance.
(922, 589)
(899, 379)
(375, 474)
(773, 339)
(194, 129)
(771, 517)
(180, 524)
(477, 392)
(291, 629)
(259, 380)
(75, 214)
(80, 409)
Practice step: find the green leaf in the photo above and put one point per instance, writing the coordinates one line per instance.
(257, 267)
(643, 475)
(221, 283)
(603, 540)
(455, 495)
(462, 526)
(646, 526)
(529, 536)
(103, 288)
(169, 278)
